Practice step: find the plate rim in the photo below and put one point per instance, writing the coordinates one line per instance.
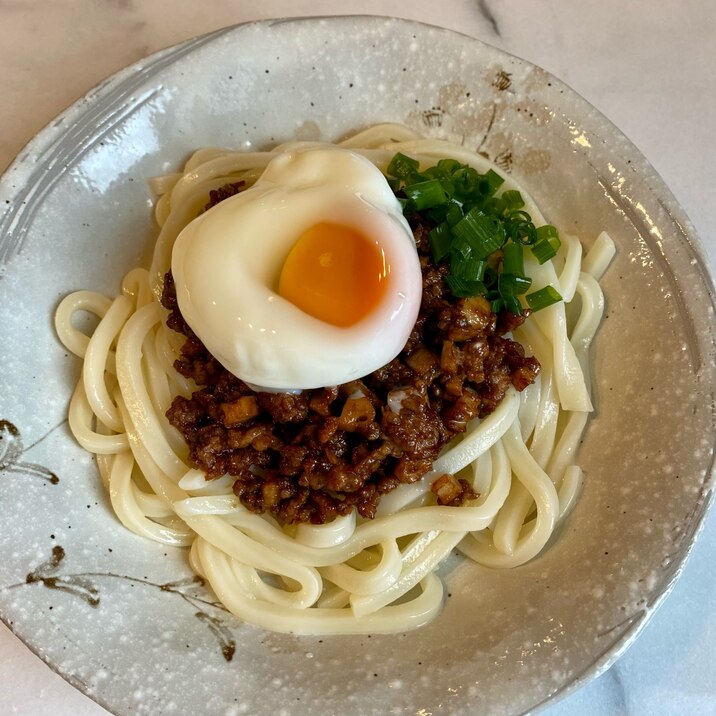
(101, 97)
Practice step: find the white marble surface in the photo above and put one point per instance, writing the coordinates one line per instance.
(649, 67)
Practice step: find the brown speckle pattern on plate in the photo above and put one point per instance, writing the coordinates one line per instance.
(124, 619)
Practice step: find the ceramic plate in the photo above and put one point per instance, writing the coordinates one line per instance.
(122, 618)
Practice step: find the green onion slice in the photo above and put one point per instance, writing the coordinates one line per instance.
(512, 200)
(439, 239)
(485, 234)
(402, 166)
(547, 296)
(490, 183)
(510, 285)
(470, 269)
(454, 214)
(547, 232)
(462, 288)
(448, 166)
(513, 259)
(521, 230)
(426, 194)
(547, 244)
(512, 304)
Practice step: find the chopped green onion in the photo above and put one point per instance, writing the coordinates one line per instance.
(547, 232)
(461, 246)
(520, 229)
(512, 200)
(454, 214)
(393, 183)
(547, 244)
(448, 166)
(513, 259)
(471, 222)
(484, 233)
(426, 194)
(470, 269)
(466, 180)
(521, 216)
(401, 166)
(537, 300)
(436, 215)
(510, 285)
(512, 304)
(493, 205)
(490, 277)
(439, 239)
(490, 183)
(462, 288)
(448, 185)
(546, 249)
(433, 173)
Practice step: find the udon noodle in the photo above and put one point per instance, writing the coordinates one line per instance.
(350, 575)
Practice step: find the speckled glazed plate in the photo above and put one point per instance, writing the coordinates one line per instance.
(122, 618)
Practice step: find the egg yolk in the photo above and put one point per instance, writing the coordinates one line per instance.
(334, 273)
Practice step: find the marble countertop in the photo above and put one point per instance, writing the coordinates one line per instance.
(649, 67)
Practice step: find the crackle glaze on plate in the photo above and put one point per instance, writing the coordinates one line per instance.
(122, 618)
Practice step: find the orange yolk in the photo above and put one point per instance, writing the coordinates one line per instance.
(334, 273)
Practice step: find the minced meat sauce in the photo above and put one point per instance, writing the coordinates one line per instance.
(311, 456)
